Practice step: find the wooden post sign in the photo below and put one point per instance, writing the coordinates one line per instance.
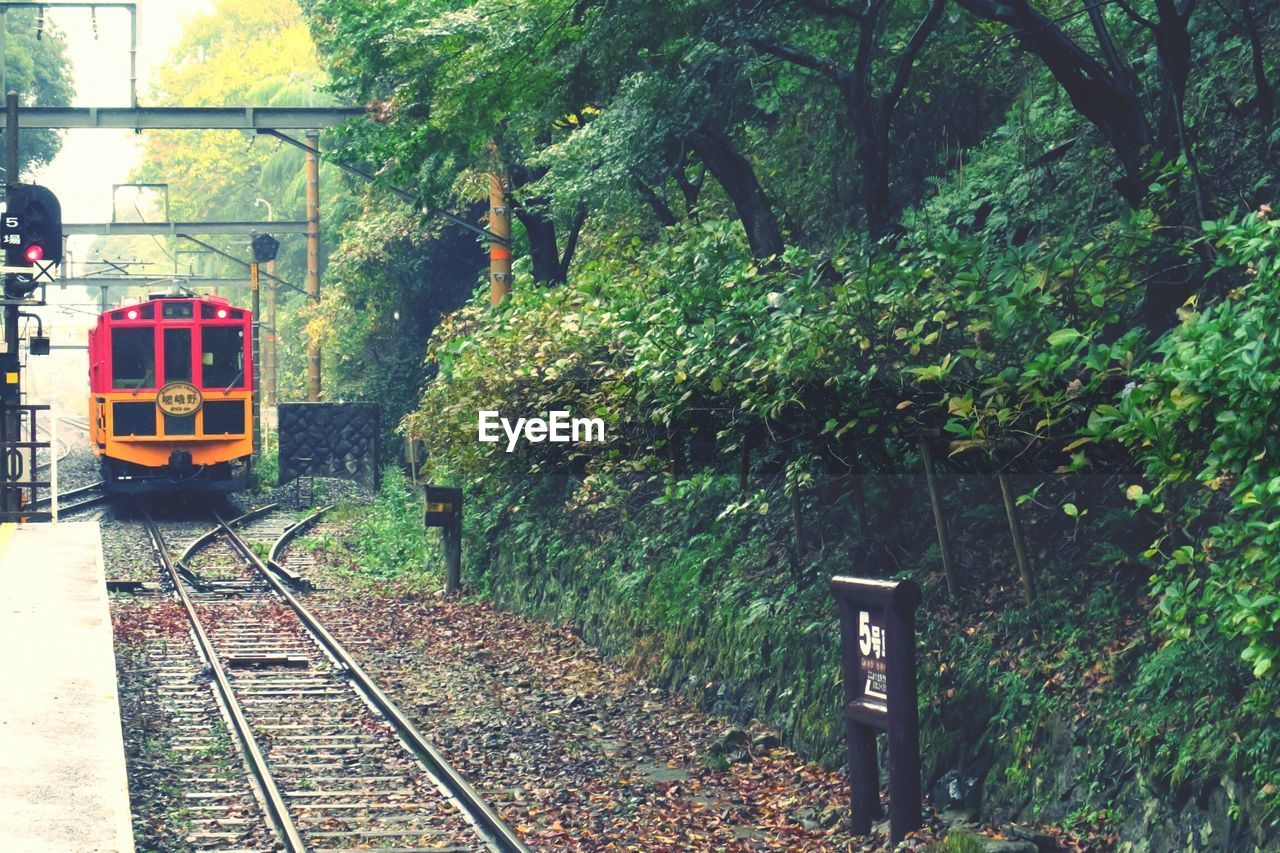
(444, 510)
(878, 659)
(443, 506)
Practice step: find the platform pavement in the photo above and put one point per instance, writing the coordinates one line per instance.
(63, 785)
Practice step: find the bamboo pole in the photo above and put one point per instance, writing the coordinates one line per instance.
(1019, 545)
(939, 518)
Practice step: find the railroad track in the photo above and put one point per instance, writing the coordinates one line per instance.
(333, 763)
(64, 447)
(77, 499)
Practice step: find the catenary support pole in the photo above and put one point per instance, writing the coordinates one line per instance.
(499, 250)
(313, 258)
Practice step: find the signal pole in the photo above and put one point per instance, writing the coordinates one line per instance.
(10, 387)
(257, 359)
(313, 258)
(272, 339)
(264, 252)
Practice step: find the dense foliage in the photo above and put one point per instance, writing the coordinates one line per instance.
(778, 246)
(37, 67)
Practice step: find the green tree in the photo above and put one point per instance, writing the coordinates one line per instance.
(39, 70)
(252, 52)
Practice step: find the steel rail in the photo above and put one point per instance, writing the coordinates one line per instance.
(84, 504)
(213, 532)
(70, 493)
(273, 557)
(478, 810)
(294, 529)
(277, 811)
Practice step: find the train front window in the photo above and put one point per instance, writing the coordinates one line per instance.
(133, 358)
(222, 357)
(177, 355)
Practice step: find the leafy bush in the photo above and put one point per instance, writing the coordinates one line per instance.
(1203, 414)
(390, 538)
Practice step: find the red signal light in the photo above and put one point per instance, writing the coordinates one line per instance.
(35, 252)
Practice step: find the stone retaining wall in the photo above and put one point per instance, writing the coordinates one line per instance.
(329, 440)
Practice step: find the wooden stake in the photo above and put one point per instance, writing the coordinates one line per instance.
(1019, 546)
(452, 558)
(797, 523)
(860, 503)
(939, 518)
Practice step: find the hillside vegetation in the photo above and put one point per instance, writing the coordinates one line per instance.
(784, 248)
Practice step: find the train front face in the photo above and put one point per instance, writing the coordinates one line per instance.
(171, 396)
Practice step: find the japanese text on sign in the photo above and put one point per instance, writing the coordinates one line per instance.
(872, 654)
(177, 399)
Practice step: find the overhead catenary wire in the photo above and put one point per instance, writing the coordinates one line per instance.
(403, 195)
(247, 265)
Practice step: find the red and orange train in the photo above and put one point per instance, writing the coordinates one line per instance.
(171, 395)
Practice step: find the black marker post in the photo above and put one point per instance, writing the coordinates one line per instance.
(878, 659)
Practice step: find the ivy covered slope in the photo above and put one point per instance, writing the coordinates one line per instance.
(781, 248)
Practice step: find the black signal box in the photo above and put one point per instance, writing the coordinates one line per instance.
(264, 248)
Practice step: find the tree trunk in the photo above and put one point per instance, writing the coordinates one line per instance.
(1105, 99)
(1266, 94)
(735, 174)
(661, 210)
(543, 251)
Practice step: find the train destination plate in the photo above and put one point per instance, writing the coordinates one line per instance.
(177, 399)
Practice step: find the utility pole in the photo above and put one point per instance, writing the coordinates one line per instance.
(499, 253)
(313, 258)
(499, 227)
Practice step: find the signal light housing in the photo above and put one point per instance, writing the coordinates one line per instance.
(264, 248)
(30, 231)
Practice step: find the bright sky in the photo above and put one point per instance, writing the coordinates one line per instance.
(90, 161)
